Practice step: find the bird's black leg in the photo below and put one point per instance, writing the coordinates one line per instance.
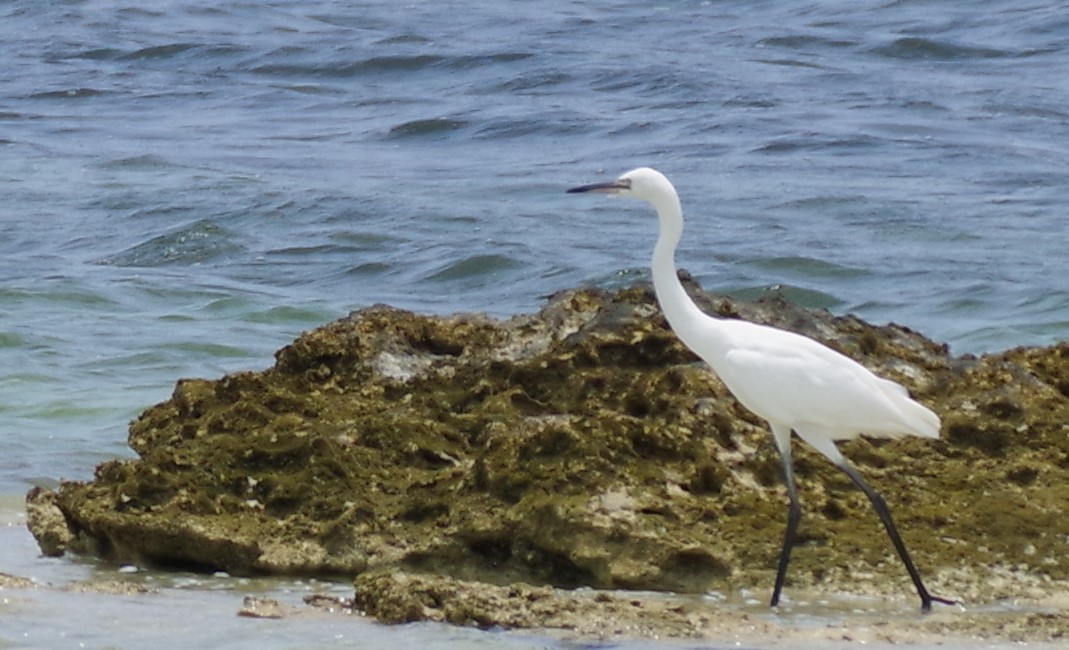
(794, 515)
(885, 516)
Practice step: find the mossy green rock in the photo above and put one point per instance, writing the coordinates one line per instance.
(582, 445)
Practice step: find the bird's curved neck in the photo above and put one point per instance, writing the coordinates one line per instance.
(682, 314)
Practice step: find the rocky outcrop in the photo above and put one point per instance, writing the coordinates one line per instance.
(579, 446)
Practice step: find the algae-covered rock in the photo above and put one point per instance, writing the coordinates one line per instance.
(398, 597)
(582, 445)
(49, 525)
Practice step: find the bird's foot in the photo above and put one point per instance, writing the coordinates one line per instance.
(928, 599)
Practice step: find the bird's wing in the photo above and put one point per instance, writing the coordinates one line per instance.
(795, 381)
(893, 386)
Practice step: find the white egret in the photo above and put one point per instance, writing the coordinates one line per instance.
(793, 382)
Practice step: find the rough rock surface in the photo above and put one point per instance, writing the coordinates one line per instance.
(398, 597)
(579, 446)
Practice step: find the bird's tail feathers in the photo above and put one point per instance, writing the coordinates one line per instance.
(921, 420)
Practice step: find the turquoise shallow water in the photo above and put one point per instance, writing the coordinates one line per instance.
(188, 185)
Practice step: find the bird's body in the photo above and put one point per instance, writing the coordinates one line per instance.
(787, 378)
(793, 382)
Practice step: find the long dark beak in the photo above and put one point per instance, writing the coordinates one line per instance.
(611, 187)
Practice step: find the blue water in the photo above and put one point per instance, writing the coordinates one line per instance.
(188, 185)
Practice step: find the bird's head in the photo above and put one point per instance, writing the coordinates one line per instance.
(642, 183)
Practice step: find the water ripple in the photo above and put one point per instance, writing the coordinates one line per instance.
(917, 48)
(434, 126)
(158, 52)
(474, 267)
(196, 243)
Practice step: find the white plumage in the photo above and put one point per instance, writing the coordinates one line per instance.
(792, 381)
